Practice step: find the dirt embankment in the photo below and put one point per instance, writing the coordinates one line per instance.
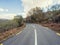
(54, 26)
(5, 35)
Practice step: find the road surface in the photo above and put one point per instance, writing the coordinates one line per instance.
(34, 34)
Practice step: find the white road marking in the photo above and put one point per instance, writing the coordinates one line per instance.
(1, 44)
(18, 33)
(35, 37)
(58, 34)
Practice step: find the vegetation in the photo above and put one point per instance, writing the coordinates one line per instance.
(36, 15)
(10, 24)
(50, 19)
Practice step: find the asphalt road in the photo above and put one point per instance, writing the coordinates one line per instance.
(34, 34)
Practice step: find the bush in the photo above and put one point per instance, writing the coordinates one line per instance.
(7, 25)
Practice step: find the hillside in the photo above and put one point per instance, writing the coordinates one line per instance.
(3, 20)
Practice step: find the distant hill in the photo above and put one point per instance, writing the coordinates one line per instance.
(3, 20)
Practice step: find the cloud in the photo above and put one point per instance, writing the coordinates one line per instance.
(58, 1)
(22, 14)
(3, 10)
(11, 16)
(7, 16)
(28, 4)
(6, 10)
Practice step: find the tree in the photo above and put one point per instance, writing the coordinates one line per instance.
(36, 15)
(18, 19)
(53, 13)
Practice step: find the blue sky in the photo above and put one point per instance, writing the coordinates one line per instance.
(13, 6)
(10, 8)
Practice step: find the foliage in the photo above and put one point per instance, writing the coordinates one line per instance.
(18, 19)
(10, 24)
(35, 15)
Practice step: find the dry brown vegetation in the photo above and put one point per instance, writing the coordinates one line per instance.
(49, 19)
(5, 35)
(11, 27)
(54, 26)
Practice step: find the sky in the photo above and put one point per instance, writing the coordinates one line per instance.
(11, 8)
